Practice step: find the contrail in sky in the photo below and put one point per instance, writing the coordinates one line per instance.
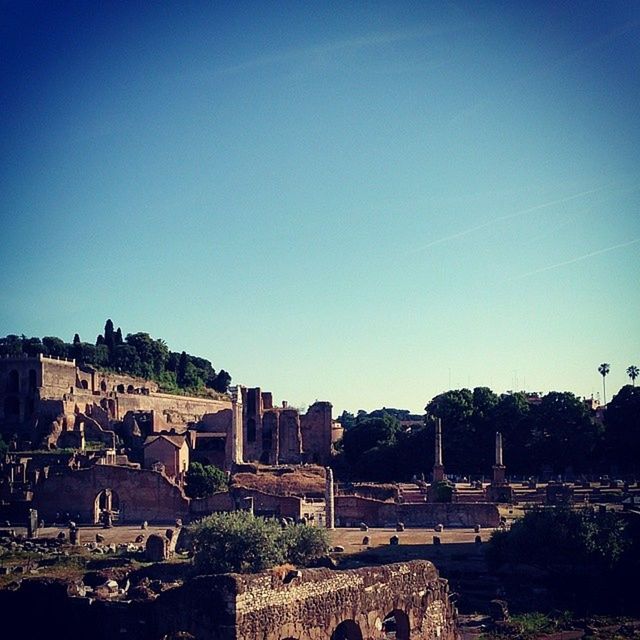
(578, 259)
(493, 221)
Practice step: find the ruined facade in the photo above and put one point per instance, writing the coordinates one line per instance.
(281, 435)
(54, 403)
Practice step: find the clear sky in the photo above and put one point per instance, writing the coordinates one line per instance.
(366, 203)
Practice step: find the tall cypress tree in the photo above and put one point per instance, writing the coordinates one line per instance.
(109, 339)
(182, 368)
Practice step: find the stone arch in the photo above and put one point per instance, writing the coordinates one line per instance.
(120, 388)
(347, 630)
(13, 381)
(33, 380)
(12, 408)
(84, 384)
(106, 500)
(130, 389)
(396, 625)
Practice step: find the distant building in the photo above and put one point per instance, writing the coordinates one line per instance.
(171, 451)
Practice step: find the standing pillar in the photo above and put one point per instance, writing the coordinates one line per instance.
(438, 467)
(329, 499)
(498, 467)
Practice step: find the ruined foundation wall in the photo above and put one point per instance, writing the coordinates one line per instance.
(351, 510)
(142, 494)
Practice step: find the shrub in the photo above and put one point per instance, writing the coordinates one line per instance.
(302, 544)
(241, 543)
(236, 542)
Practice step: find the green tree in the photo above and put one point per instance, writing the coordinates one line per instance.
(10, 346)
(181, 369)
(204, 480)
(222, 381)
(236, 542)
(303, 544)
(633, 372)
(367, 434)
(54, 347)
(563, 433)
(603, 369)
(125, 358)
(622, 435)
(455, 409)
(510, 418)
(32, 346)
(110, 339)
(153, 354)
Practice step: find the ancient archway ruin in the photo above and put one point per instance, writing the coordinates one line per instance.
(395, 626)
(347, 630)
(106, 501)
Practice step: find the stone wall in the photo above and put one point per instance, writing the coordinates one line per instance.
(351, 510)
(141, 494)
(266, 606)
(313, 604)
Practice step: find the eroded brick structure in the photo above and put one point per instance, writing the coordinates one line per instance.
(53, 403)
(409, 600)
(281, 435)
(134, 495)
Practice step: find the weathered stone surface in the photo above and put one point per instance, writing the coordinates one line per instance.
(252, 607)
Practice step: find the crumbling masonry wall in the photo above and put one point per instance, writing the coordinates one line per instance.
(142, 494)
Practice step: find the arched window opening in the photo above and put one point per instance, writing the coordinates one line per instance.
(347, 630)
(395, 625)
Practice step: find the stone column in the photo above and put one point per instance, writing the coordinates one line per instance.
(498, 467)
(329, 500)
(438, 467)
(233, 450)
(498, 448)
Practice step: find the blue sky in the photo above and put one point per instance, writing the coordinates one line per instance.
(366, 203)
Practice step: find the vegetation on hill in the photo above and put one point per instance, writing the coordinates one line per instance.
(238, 542)
(556, 432)
(137, 354)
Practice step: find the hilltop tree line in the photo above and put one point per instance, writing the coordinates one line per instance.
(137, 354)
(557, 433)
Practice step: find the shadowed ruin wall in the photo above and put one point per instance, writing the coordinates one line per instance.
(249, 607)
(351, 510)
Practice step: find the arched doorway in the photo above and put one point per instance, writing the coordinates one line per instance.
(106, 500)
(103, 386)
(395, 625)
(347, 630)
(120, 388)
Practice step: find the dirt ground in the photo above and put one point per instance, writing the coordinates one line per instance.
(349, 538)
